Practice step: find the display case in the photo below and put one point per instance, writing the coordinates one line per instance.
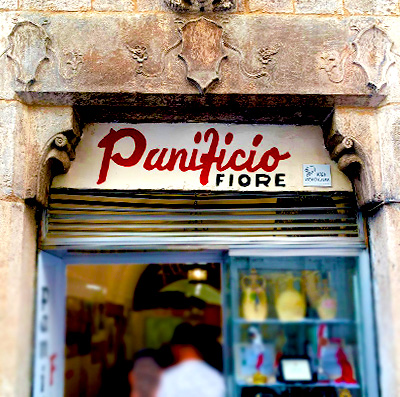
(300, 325)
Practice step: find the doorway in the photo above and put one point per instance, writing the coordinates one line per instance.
(118, 312)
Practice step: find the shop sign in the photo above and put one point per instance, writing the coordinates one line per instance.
(191, 156)
(317, 175)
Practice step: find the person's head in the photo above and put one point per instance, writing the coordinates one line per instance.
(206, 342)
(145, 374)
(183, 343)
(145, 356)
(183, 335)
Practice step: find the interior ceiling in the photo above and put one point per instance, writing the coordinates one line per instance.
(127, 284)
(116, 283)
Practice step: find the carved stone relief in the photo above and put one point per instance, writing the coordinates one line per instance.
(342, 150)
(140, 55)
(202, 51)
(71, 63)
(371, 49)
(351, 142)
(29, 46)
(374, 55)
(265, 57)
(203, 46)
(333, 63)
(56, 155)
(200, 5)
(56, 160)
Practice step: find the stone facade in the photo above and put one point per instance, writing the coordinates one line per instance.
(63, 62)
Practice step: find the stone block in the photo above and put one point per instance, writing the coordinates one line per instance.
(13, 147)
(384, 232)
(159, 5)
(266, 55)
(56, 5)
(376, 137)
(6, 66)
(392, 91)
(17, 275)
(44, 124)
(372, 7)
(113, 5)
(8, 4)
(26, 135)
(318, 7)
(47, 121)
(151, 5)
(360, 126)
(389, 134)
(272, 6)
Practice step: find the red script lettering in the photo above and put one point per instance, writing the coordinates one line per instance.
(166, 159)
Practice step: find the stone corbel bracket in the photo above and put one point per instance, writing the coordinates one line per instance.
(57, 154)
(355, 162)
(342, 149)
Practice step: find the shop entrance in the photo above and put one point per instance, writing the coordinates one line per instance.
(277, 321)
(281, 316)
(106, 310)
(116, 313)
(158, 226)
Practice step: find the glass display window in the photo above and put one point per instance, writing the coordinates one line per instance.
(295, 320)
(300, 325)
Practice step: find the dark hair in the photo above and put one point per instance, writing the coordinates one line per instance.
(206, 343)
(144, 353)
(203, 338)
(165, 357)
(183, 335)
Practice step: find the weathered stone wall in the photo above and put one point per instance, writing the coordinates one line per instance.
(385, 230)
(275, 55)
(334, 7)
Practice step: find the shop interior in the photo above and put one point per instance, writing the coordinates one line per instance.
(114, 312)
(272, 326)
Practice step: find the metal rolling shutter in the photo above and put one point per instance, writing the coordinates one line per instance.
(100, 216)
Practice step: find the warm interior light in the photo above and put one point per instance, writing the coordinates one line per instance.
(197, 274)
(94, 287)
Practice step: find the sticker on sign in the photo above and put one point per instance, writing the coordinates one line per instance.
(317, 175)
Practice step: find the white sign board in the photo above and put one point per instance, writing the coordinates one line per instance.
(197, 156)
(317, 175)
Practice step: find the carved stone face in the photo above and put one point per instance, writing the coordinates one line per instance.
(200, 5)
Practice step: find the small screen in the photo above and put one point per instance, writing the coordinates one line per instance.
(296, 370)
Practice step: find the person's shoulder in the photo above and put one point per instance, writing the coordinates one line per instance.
(191, 377)
(192, 367)
(206, 371)
(209, 368)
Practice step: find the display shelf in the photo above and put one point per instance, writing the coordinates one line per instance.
(305, 385)
(336, 347)
(305, 321)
